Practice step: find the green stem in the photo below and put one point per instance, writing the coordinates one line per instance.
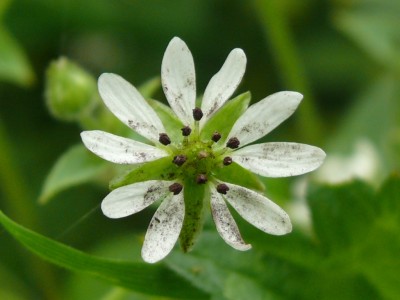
(279, 37)
(17, 199)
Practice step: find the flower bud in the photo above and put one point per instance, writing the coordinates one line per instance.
(70, 91)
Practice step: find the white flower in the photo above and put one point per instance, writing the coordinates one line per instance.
(195, 159)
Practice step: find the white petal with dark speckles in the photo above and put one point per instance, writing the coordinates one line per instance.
(225, 223)
(279, 159)
(164, 229)
(258, 210)
(179, 79)
(262, 117)
(130, 199)
(120, 150)
(128, 105)
(223, 84)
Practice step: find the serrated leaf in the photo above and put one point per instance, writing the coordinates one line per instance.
(14, 64)
(160, 169)
(240, 176)
(148, 279)
(222, 121)
(76, 166)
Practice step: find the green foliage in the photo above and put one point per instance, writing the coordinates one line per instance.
(343, 56)
(354, 253)
(75, 166)
(14, 64)
(153, 280)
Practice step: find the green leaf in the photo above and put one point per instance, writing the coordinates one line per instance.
(341, 215)
(76, 166)
(222, 121)
(359, 232)
(141, 277)
(383, 241)
(14, 64)
(240, 176)
(160, 169)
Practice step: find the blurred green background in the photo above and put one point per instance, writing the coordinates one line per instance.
(343, 55)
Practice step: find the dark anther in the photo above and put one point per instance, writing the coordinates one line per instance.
(233, 143)
(201, 178)
(164, 139)
(227, 161)
(197, 114)
(186, 131)
(216, 136)
(179, 160)
(175, 188)
(222, 188)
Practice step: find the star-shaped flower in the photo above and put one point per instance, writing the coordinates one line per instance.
(189, 167)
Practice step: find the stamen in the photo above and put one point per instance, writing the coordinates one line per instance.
(179, 160)
(222, 188)
(186, 131)
(175, 188)
(216, 137)
(233, 143)
(197, 114)
(201, 178)
(227, 161)
(164, 139)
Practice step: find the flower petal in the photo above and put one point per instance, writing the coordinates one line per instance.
(279, 159)
(128, 105)
(262, 117)
(258, 210)
(164, 229)
(118, 149)
(179, 79)
(225, 223)
(130, 199)
(223, 84)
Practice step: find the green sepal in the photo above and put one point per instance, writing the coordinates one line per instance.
(194, 195)
(238, 175)
(170, 121)
(150, 87)
(160, 169)
(222, 121)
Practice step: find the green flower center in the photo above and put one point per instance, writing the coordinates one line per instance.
(195, 158)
